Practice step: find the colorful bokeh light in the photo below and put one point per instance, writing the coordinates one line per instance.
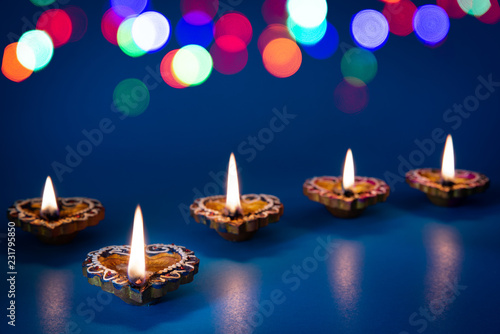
(56, 23)
(110, 23)
(326, 47)
(123, 7)
(272, 32)
(306, 36)
(150, 31)
(307, 13)
(492, 16)
(370, 29)
(11, 67)
(192, 65)
(349, 98)
(235, 24)
(431, 24)
(131, 97)
(35, 49)
(126, 41)
(452, 8)
(274, 11)
(79, 22)
(282, 57)
(399, 15)
(167, 73)
(229, 54)
(358, 66)
(42, 3)
(475, 7)
(187, 33)
(199, 12)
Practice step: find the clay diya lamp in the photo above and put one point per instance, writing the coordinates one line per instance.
(447, 187)
(139, 274)
(55, 220)
(347, 196)
(235, 217)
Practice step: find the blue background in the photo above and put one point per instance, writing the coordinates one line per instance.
(397, 258)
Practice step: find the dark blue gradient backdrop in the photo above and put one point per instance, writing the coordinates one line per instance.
(404, 266)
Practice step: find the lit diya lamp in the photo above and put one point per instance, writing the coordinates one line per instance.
(55, 220)
(235, 217)
(349, 195)
(447, 187)
(139, 274)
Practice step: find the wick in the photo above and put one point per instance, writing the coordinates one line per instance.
(51, 215)
(445, 183)
(238, 213)
(137, 282)
(348, 193)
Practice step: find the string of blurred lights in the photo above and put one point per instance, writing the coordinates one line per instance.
(205, 43)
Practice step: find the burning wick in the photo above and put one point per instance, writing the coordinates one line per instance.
(49, 209)
(348, 175)
(448, 164)
(137, 260)
(233, 204)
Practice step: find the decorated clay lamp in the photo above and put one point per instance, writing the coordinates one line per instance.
(55, 220)
(236, 218)
(349, 195)
(447, 187)
(139, 274)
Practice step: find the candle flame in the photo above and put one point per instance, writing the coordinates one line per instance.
(233, 189)
(137, 260)
(448, 165)
(49, 202)
(348, 175)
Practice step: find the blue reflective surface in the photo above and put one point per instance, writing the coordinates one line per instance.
(404, 266)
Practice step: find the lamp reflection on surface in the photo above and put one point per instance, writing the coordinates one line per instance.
(235, 292)
(54, 299)
(444, 256)
(345, 274)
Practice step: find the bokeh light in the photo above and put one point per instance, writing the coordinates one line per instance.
(358, 66)
(452, 8)
(79, 22)
(399, 15)
(431, 24)
(326, 47)
(42, 3)
(123, 7)
(110, 23)
(492, 16)
(235, 24)
(11, 67)
(167, 73)
(272, 32)
(370, 29)
(131, 97)
(282, 57)
(306, 36)
(126, 41)
(274, 11)
(350, 99)
(35, 49)
(307, 13)
(192, 65)
(56, 23)
(475, 7)
(187, 33)
(199, 12)
(150, 31)
(229, 54)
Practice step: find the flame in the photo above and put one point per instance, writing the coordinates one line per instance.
(137, 261)
(448, 166)
(348, 176)
(233, 189)
(49, 201)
